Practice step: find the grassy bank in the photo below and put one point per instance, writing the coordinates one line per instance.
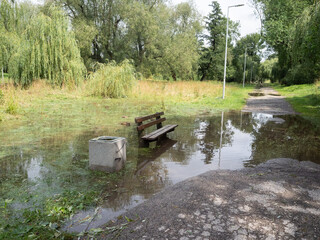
(177, 98)
(305, 99)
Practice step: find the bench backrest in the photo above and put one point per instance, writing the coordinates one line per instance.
(158, 120)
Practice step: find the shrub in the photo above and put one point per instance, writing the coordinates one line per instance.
(112, 80)
(12, 107)
(300, 74)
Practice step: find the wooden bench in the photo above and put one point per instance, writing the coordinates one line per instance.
(157, 135)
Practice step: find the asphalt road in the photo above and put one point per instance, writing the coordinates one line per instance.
(279, 199)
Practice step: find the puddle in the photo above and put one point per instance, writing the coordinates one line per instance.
(224, 141)
(257, 94)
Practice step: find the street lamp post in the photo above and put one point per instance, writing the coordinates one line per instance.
(226, 53)
(244, 66)
(251, 73)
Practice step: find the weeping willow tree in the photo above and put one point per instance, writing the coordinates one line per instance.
(7, 34)
(8, 43)
(47, 50)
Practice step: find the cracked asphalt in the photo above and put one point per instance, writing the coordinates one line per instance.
(279, 199)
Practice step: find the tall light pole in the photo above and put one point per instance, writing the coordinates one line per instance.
(244, 66)
(226, 53)
(251, 72)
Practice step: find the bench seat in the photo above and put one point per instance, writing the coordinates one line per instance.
(151, 120)
(153, 136)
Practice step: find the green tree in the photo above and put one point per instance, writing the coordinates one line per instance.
(47, 50)
(266, 68)
(13, 21)
(213, 43)
(161, 40)
(179, 48)
(97, 22)
(304, 48)
(279, 17)
(254, 45)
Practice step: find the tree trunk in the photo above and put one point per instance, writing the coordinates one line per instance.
(203, 77)
(174, 76)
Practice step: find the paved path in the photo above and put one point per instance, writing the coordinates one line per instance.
(270, 102)
(279, 199)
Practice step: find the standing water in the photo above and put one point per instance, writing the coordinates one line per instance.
(49, 165)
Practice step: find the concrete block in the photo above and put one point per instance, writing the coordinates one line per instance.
(107, 153)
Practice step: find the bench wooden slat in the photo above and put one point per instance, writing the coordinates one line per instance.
(149, 124)
(156, 132)
(154, 135)
(141, 119)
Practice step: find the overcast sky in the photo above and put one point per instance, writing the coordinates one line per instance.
(249, 23)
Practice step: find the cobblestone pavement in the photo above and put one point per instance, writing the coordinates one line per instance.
(279, 199)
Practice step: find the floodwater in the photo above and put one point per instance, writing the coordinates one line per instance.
(233, 140)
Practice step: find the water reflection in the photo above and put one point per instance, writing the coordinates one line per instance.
(230, 140)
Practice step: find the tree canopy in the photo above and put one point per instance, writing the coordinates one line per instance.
(38, 46)
(291, 28)
(213, 43)
(61, 40)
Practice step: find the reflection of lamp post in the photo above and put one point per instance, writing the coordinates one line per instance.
(226, 53)
(221, 132)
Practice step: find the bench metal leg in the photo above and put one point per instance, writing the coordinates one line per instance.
(162, 138)
(143, 143)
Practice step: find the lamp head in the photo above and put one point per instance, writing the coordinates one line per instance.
(239, 5)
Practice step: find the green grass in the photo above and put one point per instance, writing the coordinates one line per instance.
(305, 99)
(175, 98)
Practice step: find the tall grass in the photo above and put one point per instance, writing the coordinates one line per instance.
(8, 102)
(118, 81)
(176, 91)
(112, 80)
(186, 91)
(1, 97)
(192, 92)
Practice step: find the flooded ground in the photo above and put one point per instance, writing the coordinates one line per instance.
(38, 161)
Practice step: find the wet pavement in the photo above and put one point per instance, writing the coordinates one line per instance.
(279, 199)
(267, 100)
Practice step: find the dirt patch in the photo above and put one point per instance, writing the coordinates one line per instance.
(269, 101)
